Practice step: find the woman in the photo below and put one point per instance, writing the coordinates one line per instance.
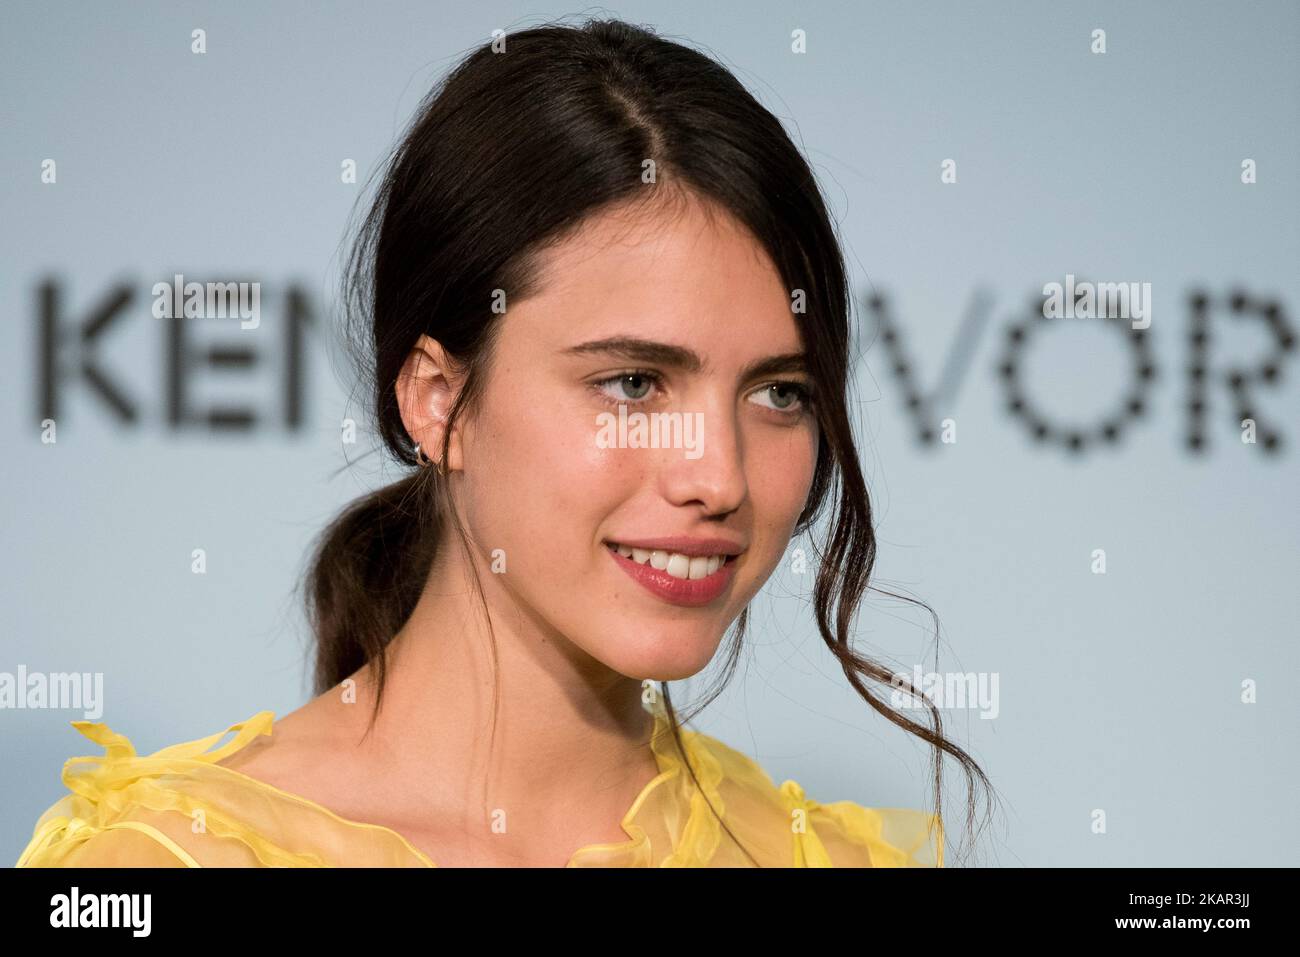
(607, 324)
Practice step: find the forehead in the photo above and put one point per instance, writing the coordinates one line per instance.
(682, 270)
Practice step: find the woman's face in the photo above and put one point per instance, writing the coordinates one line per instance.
(669, 309)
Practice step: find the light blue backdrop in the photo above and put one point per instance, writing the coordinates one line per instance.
(1120, 692)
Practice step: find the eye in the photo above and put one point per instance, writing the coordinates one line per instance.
(627, 386)
(785, 396)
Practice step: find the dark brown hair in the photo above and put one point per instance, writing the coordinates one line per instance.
(513, 150)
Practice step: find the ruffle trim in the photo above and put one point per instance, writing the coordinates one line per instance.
(106, 789)
(656, 807)
(891, 837)
(670, 824)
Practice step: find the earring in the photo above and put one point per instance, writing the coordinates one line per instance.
(439, 466)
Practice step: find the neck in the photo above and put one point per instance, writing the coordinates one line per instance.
(555, 708)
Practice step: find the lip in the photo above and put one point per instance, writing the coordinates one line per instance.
(688, 592)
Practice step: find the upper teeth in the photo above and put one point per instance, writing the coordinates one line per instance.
(674, 563)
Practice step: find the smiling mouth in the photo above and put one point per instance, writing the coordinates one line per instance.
(686, 567)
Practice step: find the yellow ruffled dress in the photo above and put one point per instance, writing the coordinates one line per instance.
(178, 808)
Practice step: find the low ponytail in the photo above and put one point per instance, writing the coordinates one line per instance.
(367, 571)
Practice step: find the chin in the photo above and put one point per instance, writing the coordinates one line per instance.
(661, 652)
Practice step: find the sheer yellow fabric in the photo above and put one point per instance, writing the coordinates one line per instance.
(179, 808)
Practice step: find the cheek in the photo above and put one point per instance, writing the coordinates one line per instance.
(541, 487)
(783, 468)
(779, 480)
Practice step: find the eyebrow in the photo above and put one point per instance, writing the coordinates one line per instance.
(633, 349)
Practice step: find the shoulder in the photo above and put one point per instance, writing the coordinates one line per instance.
(810, 833)
(290, 755)
(175, 807)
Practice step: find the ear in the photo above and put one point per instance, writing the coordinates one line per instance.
(426, 388)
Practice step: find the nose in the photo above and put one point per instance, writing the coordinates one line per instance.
(713, 475)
